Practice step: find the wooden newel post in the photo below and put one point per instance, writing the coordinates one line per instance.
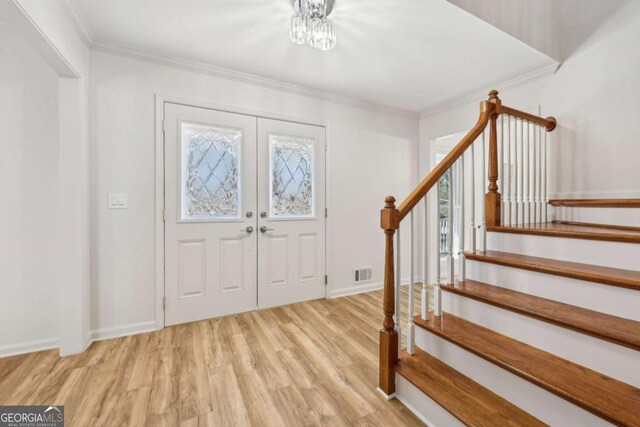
(492, 198)
(389, 221)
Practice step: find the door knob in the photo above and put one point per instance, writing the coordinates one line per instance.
(249, 229)
(264, 229)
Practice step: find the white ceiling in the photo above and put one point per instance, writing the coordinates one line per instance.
(408, 54)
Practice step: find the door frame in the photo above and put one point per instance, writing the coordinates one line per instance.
(159, 195)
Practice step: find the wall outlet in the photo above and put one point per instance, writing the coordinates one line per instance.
(117, 201)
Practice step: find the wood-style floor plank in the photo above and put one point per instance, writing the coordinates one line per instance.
(313, 363)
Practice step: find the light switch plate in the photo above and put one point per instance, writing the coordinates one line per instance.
(117, 201)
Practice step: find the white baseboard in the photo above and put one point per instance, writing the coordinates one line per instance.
(357, 289)
(28, 347)
(122, 331)
(366, 287)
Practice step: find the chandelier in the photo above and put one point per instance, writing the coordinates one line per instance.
(310, 24)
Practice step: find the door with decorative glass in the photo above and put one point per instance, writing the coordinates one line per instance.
(210, 221)
(291, 202)
(244, 213)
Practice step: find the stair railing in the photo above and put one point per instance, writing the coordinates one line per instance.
(516, 159)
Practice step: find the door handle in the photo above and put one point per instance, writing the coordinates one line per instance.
(264, 229)
(249, 229)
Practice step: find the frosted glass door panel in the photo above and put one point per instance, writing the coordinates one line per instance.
(210, 163)
(291, 177)
(291, 202)
(210, 203)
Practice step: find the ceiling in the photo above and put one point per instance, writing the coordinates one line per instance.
(411, 54)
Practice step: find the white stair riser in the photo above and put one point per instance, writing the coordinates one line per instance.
(540, 403)
(608, 358)
(430, 412)
(608, 299)
(594, 252)
(610, 216)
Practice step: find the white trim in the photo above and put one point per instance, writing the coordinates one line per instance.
(482, 94)
(122, 331)
(78, 22)
(353, 290)
(41, 42)
(384, 395)
(368, 287)
(29, 347)
(160, 101)
(225, 73)
(84, 31)
(415, 412)
(159, 210)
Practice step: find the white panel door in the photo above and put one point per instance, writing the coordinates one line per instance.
(291, 202)
(210, 222)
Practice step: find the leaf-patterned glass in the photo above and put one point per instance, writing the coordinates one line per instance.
(291, 180)
(210, 162)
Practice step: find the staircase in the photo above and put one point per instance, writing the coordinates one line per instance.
(536, 319)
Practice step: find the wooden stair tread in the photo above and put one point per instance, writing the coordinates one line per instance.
(468, 401)
(611, 328)
(572, 231)
(575, 270)
(605, 397)
(596, 203)
(598, 225)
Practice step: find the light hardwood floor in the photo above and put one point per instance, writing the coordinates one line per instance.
(312, 363)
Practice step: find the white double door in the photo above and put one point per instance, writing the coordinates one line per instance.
(244, 213)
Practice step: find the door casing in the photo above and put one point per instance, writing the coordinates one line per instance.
(160, 101)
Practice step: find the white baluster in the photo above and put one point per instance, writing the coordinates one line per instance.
(545, 176)
(424, 295)
(533, 173)
(512, 170)
(539, 180)
(483, 212)
(501, 167)
(411, 332)
(461, 220)
(437, 297)
(450, 264)
(472, 207)
(398, 287)
(506, 186)
(519, 174)
(537, 169)
(525, 166)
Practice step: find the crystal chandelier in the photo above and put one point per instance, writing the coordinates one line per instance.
(310, 24)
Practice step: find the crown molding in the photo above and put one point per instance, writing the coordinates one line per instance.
(78, 22)
(83, 30)
(482, 94)
(242, 77)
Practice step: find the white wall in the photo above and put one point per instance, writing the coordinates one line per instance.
(46, 33)
(371, 154)
(594, 96)
(29, 218)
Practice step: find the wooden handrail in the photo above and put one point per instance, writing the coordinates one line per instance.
(549, 123)
(390, 218)
(487, 108)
